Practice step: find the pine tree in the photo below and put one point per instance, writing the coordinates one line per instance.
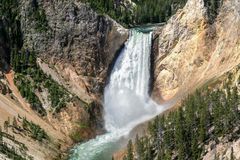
(24, 123)
(232, 154)
(179, 134)
(14, 123)
(6, 125)
(194, 147)
(203, 124)
(129, 151)
(148, 154)
(167, 155)
(1, 136)
(139, 148)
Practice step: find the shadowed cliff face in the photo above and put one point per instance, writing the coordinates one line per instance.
(78, 43)
(4, 48)
(195, 47)
(75, 46)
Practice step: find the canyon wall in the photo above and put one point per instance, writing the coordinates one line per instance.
(77, 42)
(195, 46)
(74, 45)
(4, 48)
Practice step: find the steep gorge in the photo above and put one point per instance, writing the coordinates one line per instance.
(76, 47)
(197, 48)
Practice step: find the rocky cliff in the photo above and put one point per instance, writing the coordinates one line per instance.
(196, 45)
(76, 41)
(74, 46)
(4, 48)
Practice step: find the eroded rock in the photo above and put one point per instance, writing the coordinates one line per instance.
(191, 50)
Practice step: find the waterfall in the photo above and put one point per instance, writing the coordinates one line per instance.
(126, 99)
(127, 91)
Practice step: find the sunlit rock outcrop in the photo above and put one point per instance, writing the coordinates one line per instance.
(194, 47)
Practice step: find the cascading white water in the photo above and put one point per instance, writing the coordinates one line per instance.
(126, 100)
(127, 92)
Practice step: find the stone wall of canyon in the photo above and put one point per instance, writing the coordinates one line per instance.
(75, 47)
(195, 47)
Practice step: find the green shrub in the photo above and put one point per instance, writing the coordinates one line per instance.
(76, 136)
(36, 132)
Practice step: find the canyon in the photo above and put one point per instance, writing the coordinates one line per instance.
(78, 50)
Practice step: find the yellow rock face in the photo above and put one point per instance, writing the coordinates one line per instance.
(191, 51)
